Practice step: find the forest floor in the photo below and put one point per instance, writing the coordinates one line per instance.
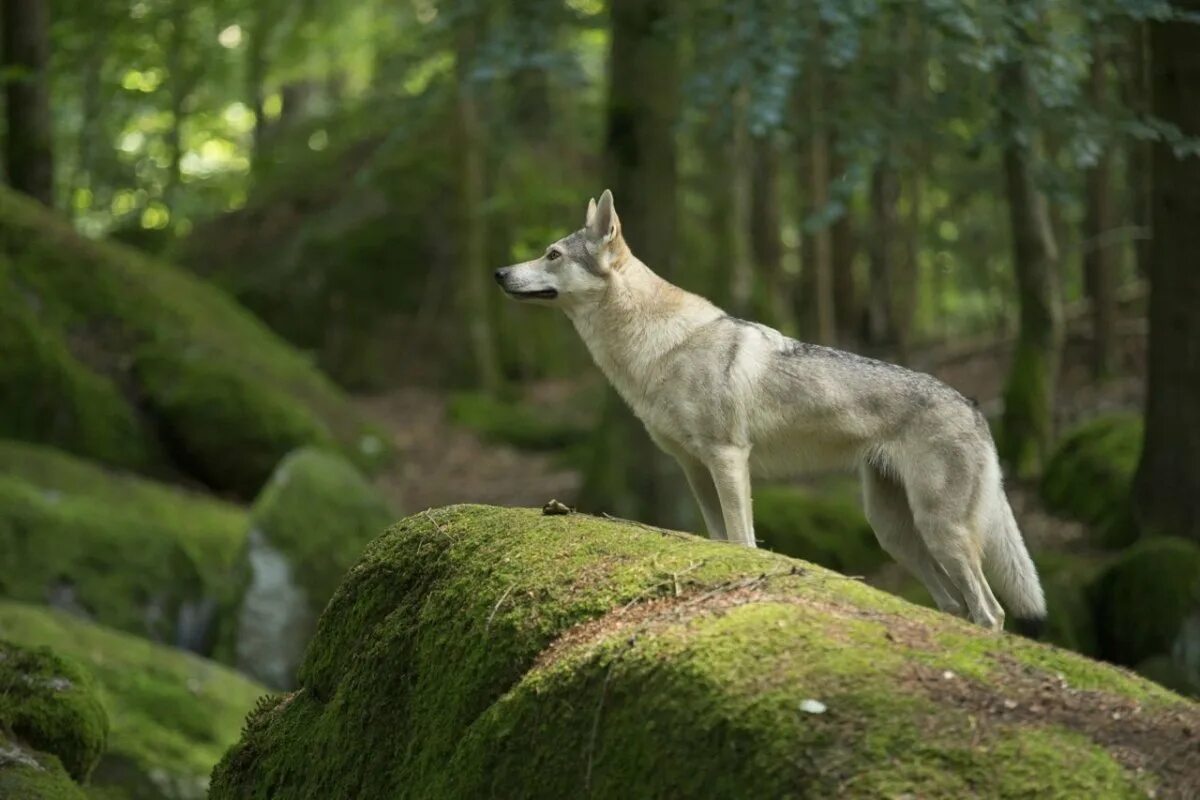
(441, 463)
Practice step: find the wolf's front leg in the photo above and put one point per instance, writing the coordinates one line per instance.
(730, 469)
(699, 478)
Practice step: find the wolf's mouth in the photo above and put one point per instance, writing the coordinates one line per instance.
(539, 294)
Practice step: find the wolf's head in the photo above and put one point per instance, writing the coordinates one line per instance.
(575, 270)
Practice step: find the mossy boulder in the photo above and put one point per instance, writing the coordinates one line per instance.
(1067, 579)
(1089, 475)
(148, 558)
(826, 526)
(27, 774)
(105, 350)
(49, 705)
(308, 527)
(484, 652)
(1147, 603)
(172, 714)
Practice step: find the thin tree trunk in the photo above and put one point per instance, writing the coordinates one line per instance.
(627, 474)
(1028, 424)
(766, 233)
(1099, 259)
(91, 108)
(818, 176)
(473, 284)
(847, 308)
(180, 84)
(1138, 92)
(884, 199)
(1167, 487)
(741, 266)
(25, 50)
(256, 75)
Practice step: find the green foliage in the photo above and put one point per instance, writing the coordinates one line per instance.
(826, 527)
(497, 652)
(50, 705)
(1144, 597)
(516, 423)
(1070, 620)
(128, 552)
(172, 714)
(320, 512)
(1090, 474)
(99, 329)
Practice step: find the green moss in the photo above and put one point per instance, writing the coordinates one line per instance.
(515, 423)
(481, 652)
(1144, 597)
(172, 714)
(26, 774)
(128, 552)
(61, 401)
(1070, 621)
(50, 705)
(1027, 424)
(91, 321)
(1090, 473)
(320, 512)
(826, 528)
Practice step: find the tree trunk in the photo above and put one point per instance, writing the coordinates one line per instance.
(1099, 253)
(766, 235)
(256, 75)
(847, 309)
(473, 284)
(627, 474)
(818, 199)
(1167, 488)
(1138, 92)
(1028, 424)
(883, 252)
(25, 50)
(180, 85)
(741, 265)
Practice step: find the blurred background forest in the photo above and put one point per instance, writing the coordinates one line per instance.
(246, 312)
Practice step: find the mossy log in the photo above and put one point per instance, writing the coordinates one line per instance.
(483, 652)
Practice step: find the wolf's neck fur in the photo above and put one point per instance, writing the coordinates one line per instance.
(640, 320)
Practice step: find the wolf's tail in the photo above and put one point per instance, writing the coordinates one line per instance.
(1009, 568)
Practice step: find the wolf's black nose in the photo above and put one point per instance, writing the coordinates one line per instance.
(499, 275)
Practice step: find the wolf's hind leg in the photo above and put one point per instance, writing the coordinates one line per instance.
(701, 482)
(730, 468)
(887, 510)
(952, 546)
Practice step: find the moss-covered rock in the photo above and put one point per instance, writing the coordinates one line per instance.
(1066, 579)
(481, 652)
(827, 527)
(1089, 475)
(172, 714)
(1145, 598)
(144, 557)
(27, 774)
(310, 525)
(50, 705)
(103, 349)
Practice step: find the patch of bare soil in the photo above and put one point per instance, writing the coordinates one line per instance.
(1162, 741)
(440, 463)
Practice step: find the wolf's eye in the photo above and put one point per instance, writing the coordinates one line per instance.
(553, 255)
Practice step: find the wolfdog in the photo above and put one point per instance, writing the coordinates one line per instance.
(726, 397)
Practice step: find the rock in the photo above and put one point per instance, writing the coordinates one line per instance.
(105, 349)
(309, 526)
(828, 528)
(172, 714)
(1089, 475)
(1146, 602)
(483, 652)
(52, 726)
(137, 555)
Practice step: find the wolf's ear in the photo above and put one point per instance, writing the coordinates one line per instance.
(603, 224)
(591, 212)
